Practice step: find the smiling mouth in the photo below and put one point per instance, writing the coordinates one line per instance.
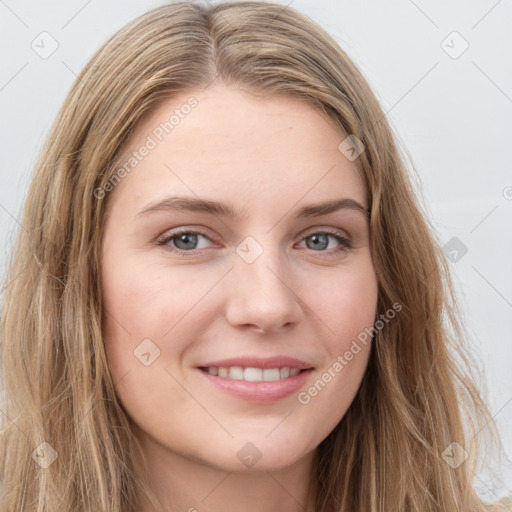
(252, 374)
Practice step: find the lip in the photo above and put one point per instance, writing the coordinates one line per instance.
(259, 362)
(263, 391)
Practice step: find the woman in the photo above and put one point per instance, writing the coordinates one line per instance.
(226, 296)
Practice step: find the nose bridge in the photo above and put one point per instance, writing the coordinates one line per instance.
(261, 293)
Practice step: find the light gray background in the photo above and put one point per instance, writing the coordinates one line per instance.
(452, 115)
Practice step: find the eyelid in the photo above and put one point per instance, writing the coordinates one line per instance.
(330, 230)
(199, 230)
(192, 228)
(170, 234)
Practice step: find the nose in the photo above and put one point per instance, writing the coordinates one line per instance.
(262, 295)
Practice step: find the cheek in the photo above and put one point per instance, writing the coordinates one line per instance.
(147, 300)
(150, 310)
(331, 392)
(347, 304)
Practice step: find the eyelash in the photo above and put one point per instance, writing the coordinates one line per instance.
(344, 243)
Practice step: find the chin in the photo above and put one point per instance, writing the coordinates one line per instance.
(253, 454)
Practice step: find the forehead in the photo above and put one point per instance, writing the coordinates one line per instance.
(225, 141)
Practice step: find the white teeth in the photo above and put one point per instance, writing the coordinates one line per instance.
(236, 372)
(284, 372)
(254, 374)
(271, 374)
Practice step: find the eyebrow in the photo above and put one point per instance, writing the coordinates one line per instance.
(223, 210)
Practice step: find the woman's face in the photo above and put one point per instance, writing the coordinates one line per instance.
(247, 267)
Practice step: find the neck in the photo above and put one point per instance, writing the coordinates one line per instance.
(182, 484)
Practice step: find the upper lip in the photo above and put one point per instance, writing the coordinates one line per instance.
(259, 362)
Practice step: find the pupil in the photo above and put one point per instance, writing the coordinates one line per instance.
(187, 236)
(316, 238)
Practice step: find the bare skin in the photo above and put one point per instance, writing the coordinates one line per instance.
(198, 300)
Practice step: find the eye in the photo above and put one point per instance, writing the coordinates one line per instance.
(320, 240)
(189, 242)
(183, 241)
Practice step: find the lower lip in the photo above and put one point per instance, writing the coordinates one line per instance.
(263, 391)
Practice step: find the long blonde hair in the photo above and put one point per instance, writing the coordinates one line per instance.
(418, 394)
